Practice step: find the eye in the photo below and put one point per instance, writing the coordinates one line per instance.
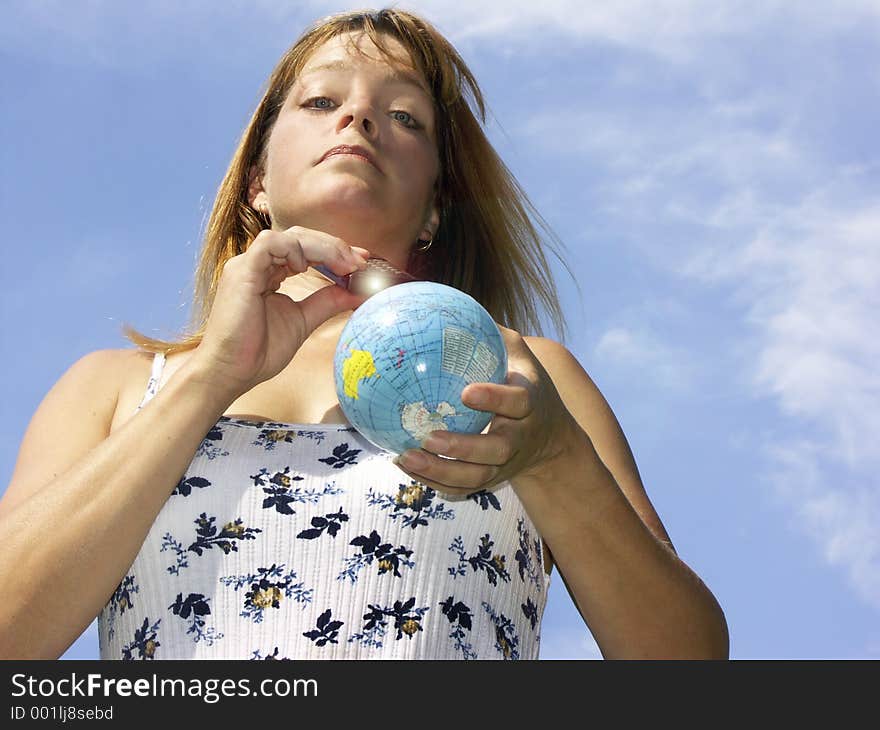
(408, 120)
(413, 123)
(318, 98)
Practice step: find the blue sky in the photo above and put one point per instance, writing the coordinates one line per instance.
(712, 168)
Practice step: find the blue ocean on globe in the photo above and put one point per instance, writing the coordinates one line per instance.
(405, 356)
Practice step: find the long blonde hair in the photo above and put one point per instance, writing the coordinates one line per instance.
(486, 244)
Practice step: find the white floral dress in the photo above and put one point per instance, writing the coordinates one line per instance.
(304, 541)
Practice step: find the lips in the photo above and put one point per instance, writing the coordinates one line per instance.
(347, 149)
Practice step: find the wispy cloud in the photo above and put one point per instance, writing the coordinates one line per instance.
(808, 283)
(752, 193)
(811, 277)
(665, 365)
(676, 30)
(838, 507)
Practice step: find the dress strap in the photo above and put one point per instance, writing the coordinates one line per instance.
(155, 376)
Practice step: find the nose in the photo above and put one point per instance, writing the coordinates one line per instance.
(359, 114)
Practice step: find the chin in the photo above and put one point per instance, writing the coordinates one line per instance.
(359, 225)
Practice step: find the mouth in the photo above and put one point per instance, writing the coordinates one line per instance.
(351, 151)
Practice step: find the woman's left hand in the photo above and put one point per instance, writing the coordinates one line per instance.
(528, 430)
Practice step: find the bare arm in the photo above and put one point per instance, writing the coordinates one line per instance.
(568, 461)
(639, 599)
(82, 500)
(68, 543)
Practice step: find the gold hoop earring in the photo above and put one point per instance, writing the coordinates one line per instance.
(425, 247)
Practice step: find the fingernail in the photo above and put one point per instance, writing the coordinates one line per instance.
(475, 397)
(437, 444)
(410, 460)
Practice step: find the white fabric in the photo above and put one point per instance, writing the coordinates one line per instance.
(278, 532)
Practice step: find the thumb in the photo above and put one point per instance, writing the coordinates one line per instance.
(327, 302)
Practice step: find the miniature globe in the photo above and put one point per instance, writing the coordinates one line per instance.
(405, 356)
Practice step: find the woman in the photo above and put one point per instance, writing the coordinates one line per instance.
(230, 511)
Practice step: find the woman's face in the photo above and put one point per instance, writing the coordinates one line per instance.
(361, 101)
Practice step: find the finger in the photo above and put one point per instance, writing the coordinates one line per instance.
(272, 249)
(317, 247)
(291, 251)
(446, 474)
(494, 448)
(511, 401)
(326, 302)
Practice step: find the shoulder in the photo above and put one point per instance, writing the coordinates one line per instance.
(110, 370)
(108, 367)
(561, 365)
(546, 349)
(115, 365)
(113, 375)
(85, 394)
(95, 376)
(131, 369)
(577, 389)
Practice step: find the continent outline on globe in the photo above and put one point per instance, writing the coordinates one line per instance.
(358, 365)
(404, 357)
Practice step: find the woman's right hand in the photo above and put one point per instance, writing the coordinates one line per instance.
(253, 331)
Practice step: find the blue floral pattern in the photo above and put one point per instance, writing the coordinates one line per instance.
(300, 541)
